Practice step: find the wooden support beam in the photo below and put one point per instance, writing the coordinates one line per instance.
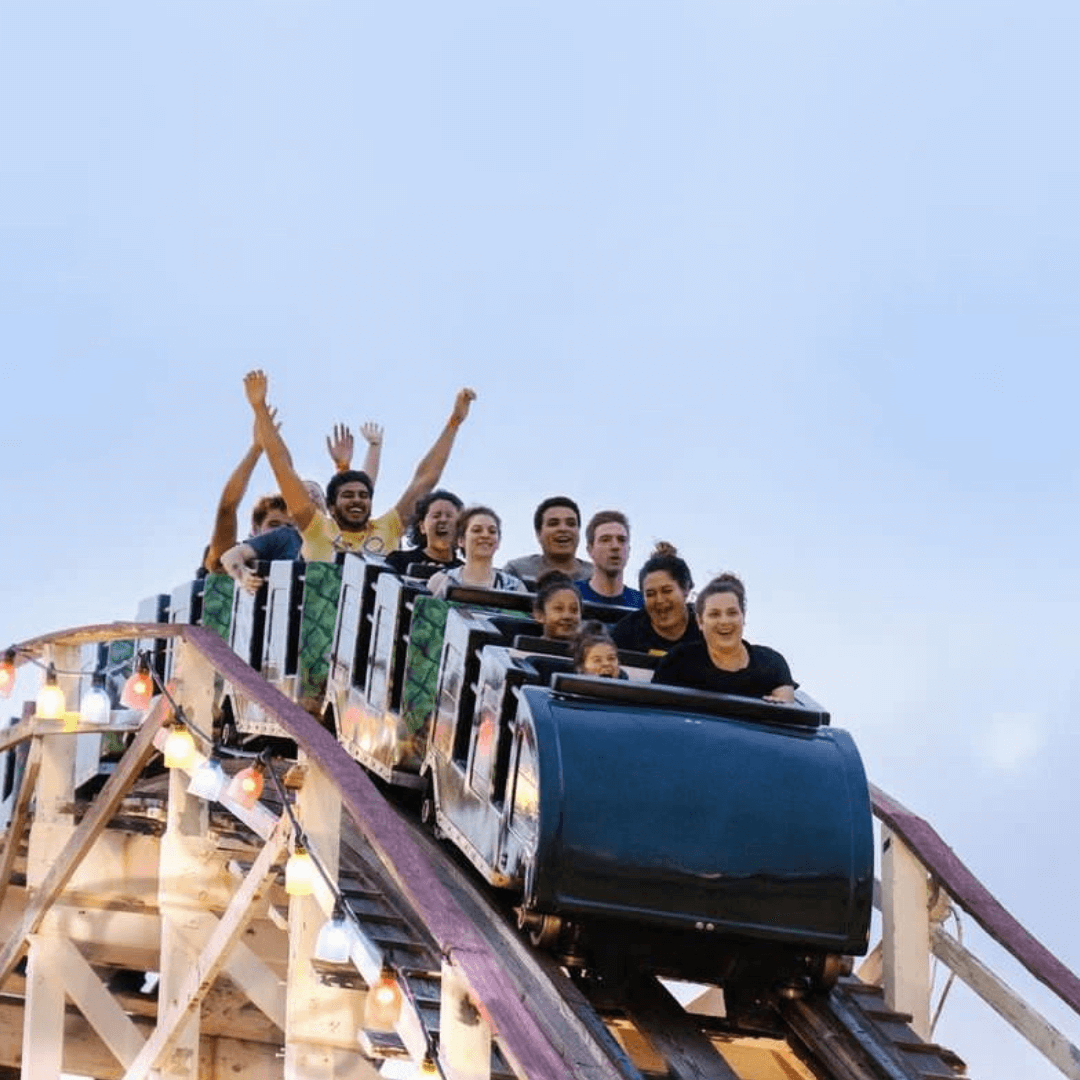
(19, 815)
(102, 809)
(1038, 1031)
(43, 1022)
(212, 958)
(464, 1034)
(320, 1018)
(183, 879)
(93, 999)
(905, 934)
(50, 834)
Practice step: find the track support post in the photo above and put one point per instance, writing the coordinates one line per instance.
(905, 906)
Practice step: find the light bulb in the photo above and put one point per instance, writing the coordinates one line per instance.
(334, 943)
(428, 1066)
(139, 688)
(246, 786)
(299, 873)
(179, 747)
(50, 699)
(95, 706)
(7, 673)
(208, 781)
(382, 1006)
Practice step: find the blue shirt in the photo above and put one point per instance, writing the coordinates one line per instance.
(283, 542)
(627, 598)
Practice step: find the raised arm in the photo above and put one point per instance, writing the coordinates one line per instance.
(296, 496)
(434, 461)
(225, 527)
(373, 434)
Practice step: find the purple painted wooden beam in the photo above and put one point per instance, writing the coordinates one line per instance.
(974, 897)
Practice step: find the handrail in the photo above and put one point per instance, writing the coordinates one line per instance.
(458, 940)
(974, 897)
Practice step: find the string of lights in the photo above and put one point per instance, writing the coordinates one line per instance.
(341, 939)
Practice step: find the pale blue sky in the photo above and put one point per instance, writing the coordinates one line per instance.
(793, 284)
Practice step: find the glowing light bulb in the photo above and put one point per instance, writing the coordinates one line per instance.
(179, 747)
(7, 673)
(50, 700)
(334, 943)
(139, 688)
(208, 781)
(382, 1006)
(300, 873)
(95, 706)
(428, 1066)
(246, 786)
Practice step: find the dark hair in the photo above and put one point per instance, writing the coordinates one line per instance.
(550, 504)
(724, 583)
(549, 584)
(423, 505)
(471, 512)
(349, 476)
(666, 557)
(263, 507)
(592, 632)
(605, 517)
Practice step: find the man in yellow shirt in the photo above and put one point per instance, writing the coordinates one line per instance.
(349, 525)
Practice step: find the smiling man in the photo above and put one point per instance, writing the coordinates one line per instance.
(557, 522)
(348, 524)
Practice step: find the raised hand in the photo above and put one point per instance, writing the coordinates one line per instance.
(255, 387)
(372, 433)
(339, 445)
(465, 397)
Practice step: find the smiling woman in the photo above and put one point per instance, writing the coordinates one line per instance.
(479, 531)
(666, 621)
(723, 661)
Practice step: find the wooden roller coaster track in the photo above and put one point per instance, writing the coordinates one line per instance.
(103, 883)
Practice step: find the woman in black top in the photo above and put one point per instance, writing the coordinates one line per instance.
(723, 661)
(433, 533)
(666, 620)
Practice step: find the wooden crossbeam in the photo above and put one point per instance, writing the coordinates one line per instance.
(97, 817)
(213, 956)
(258, 981)
(1038, 1031)
(92, 997)
(17, 733)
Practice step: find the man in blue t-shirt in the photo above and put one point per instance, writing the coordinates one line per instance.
(241, 561)
(607, 540)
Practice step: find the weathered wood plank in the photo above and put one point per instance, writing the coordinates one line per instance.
(1038, 1031)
